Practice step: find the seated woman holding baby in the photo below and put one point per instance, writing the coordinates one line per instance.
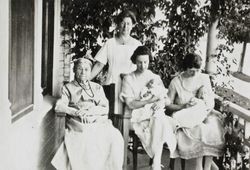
(145, 98)
(91, 142)
(199, 131)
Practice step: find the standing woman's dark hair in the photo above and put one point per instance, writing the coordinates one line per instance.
(192, 60)
(123, 15)
(141, 50)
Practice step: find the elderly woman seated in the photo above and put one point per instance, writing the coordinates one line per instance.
(91, 142)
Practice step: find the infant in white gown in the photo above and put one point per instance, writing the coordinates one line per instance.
(146, 112)
(193, 115)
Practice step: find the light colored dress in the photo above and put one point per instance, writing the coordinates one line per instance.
(192, 116)
(118, 58)
(131, 88)
(144, 113)
(207, 137)
(88, 146)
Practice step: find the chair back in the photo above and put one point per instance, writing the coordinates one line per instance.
(109, 91)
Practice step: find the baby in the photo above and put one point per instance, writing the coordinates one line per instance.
(196, 113)
(151, 89)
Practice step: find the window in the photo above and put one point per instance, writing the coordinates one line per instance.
(21, 61)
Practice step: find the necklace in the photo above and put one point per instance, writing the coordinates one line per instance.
(86, 89)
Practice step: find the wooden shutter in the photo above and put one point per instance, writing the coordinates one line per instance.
(21, 64)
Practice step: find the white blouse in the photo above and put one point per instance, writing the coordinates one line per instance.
(118, 58)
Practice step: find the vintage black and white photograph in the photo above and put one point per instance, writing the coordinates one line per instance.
(125, 85)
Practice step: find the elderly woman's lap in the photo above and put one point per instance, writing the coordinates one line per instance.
(97, 146)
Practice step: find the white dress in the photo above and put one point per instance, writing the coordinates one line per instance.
(207, 137)
(118, 58)
(192, 116)
(88, 146)
(131, 88)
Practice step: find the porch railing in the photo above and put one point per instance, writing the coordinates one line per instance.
(242, 117)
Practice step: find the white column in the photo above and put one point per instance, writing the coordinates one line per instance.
(38, 97)
(58, 62)
(211, 62)
(5, 112)
(246, 68)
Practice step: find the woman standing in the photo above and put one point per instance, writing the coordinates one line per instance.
(205, 139)
(91, 142)
(117, 52)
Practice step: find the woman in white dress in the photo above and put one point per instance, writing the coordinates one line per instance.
(153, 131)
(117, 52)
(91, 142)
(195, 140)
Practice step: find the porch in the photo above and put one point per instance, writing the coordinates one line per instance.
(33, 144)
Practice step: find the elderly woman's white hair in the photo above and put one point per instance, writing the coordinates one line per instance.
(81, 61)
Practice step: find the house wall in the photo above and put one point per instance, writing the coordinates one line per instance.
(20, 141)
(5, 114)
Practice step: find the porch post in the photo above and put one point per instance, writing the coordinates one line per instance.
(5, 112)
(38, 97)
(211, 62)
(240, 68)
(58, 62)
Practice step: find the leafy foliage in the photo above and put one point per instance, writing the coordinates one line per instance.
(87, 21)
(223, 76)
(234, 27)
(235, 20)
(187, 23)
(236, 155)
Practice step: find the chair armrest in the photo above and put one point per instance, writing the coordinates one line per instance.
(60, 128)
(60, 114)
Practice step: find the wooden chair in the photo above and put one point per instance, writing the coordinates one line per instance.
(127, 133)
(121, 122)
(116, 119)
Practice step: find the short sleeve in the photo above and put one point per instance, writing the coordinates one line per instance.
(65, 95)
(127, 90)
(102, 55)
(159, 81)
(64, 100)
(172, 90)
(101, 97)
